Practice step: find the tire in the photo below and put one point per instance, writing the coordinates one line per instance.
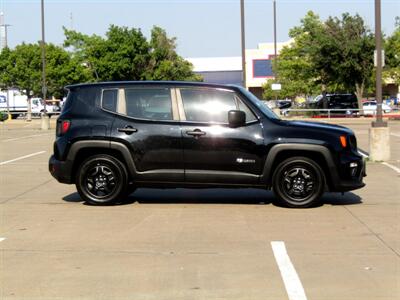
(102, 180)
(298, 182)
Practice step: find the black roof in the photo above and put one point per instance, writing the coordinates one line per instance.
(165, 83)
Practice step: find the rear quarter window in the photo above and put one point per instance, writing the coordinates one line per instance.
(109, 100)
(81, 100)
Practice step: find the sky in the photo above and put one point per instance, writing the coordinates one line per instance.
(203, 28)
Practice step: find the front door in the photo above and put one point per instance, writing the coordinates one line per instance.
(213, 151)
(148, 122)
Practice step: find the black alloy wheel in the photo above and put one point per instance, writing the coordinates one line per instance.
(298, 182)
(101, 180)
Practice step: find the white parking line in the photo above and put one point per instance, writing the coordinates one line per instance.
(392, 167)
(292, 282)
(25, 137)
(2, 239)
(22, 157)
(395, 134)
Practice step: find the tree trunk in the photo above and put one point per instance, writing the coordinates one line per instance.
(359, 94)
(324, 98)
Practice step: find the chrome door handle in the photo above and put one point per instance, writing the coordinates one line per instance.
(127, 129)
(196, 132)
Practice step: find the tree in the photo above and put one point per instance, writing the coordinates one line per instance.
(352, 45)
(22, 68)
(335, 55)
(5, 68)
(125, 54)
(122, 55)
(392, 53)
(62, 70)
(165, 63)
(296, 74)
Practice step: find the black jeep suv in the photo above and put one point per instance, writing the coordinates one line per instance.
(117, 136)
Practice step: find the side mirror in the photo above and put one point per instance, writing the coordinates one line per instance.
(236, 118)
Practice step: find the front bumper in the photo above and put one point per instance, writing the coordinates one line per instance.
(353, 182)
(61, 170)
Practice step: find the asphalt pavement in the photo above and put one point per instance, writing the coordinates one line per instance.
(193, 244)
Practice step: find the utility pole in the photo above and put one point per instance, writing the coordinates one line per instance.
(4, 44)
(3, 32)
(379, 135)
(243, 38)
(275, 53)
(275, 47)
(44, 116)
(378, 46)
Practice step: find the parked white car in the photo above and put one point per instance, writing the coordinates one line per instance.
(38, 107)
(370, 108)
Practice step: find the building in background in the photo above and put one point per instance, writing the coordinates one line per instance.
(228, 70)
(221, 70)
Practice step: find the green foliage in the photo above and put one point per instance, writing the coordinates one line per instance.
(352, 45)
(165, 63)
(125, 54)
(61, 70)
(22, 68)
(335, 56)
(3, 116)
(296, 75)
(122, 54)
(392, 53)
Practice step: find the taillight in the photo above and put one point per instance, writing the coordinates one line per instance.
(63, 127)
(343, 141)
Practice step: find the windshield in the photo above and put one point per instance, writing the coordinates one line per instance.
(261, 106)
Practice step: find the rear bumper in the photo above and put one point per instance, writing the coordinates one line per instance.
(61, 170)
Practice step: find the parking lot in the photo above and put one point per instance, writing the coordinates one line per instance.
(193, 244)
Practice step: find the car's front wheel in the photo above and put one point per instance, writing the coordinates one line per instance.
(298, 182)
(101, 180)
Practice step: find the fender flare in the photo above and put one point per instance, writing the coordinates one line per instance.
(266, 176)
(102, 144)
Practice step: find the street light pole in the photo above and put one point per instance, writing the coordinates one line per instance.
(378, 45)
(275, 52)
(379, 133)
(243, 38)
(45, 119)
(275, 47)
(4, 42)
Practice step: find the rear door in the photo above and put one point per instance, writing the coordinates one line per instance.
(148, 123)
(213, 151)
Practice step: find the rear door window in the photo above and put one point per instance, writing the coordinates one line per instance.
(149, 103)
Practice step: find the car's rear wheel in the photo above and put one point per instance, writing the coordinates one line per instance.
(102, 180)
(298, 182)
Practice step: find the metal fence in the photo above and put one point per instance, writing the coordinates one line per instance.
(289, 112)
(23, 115)
(331, 113)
